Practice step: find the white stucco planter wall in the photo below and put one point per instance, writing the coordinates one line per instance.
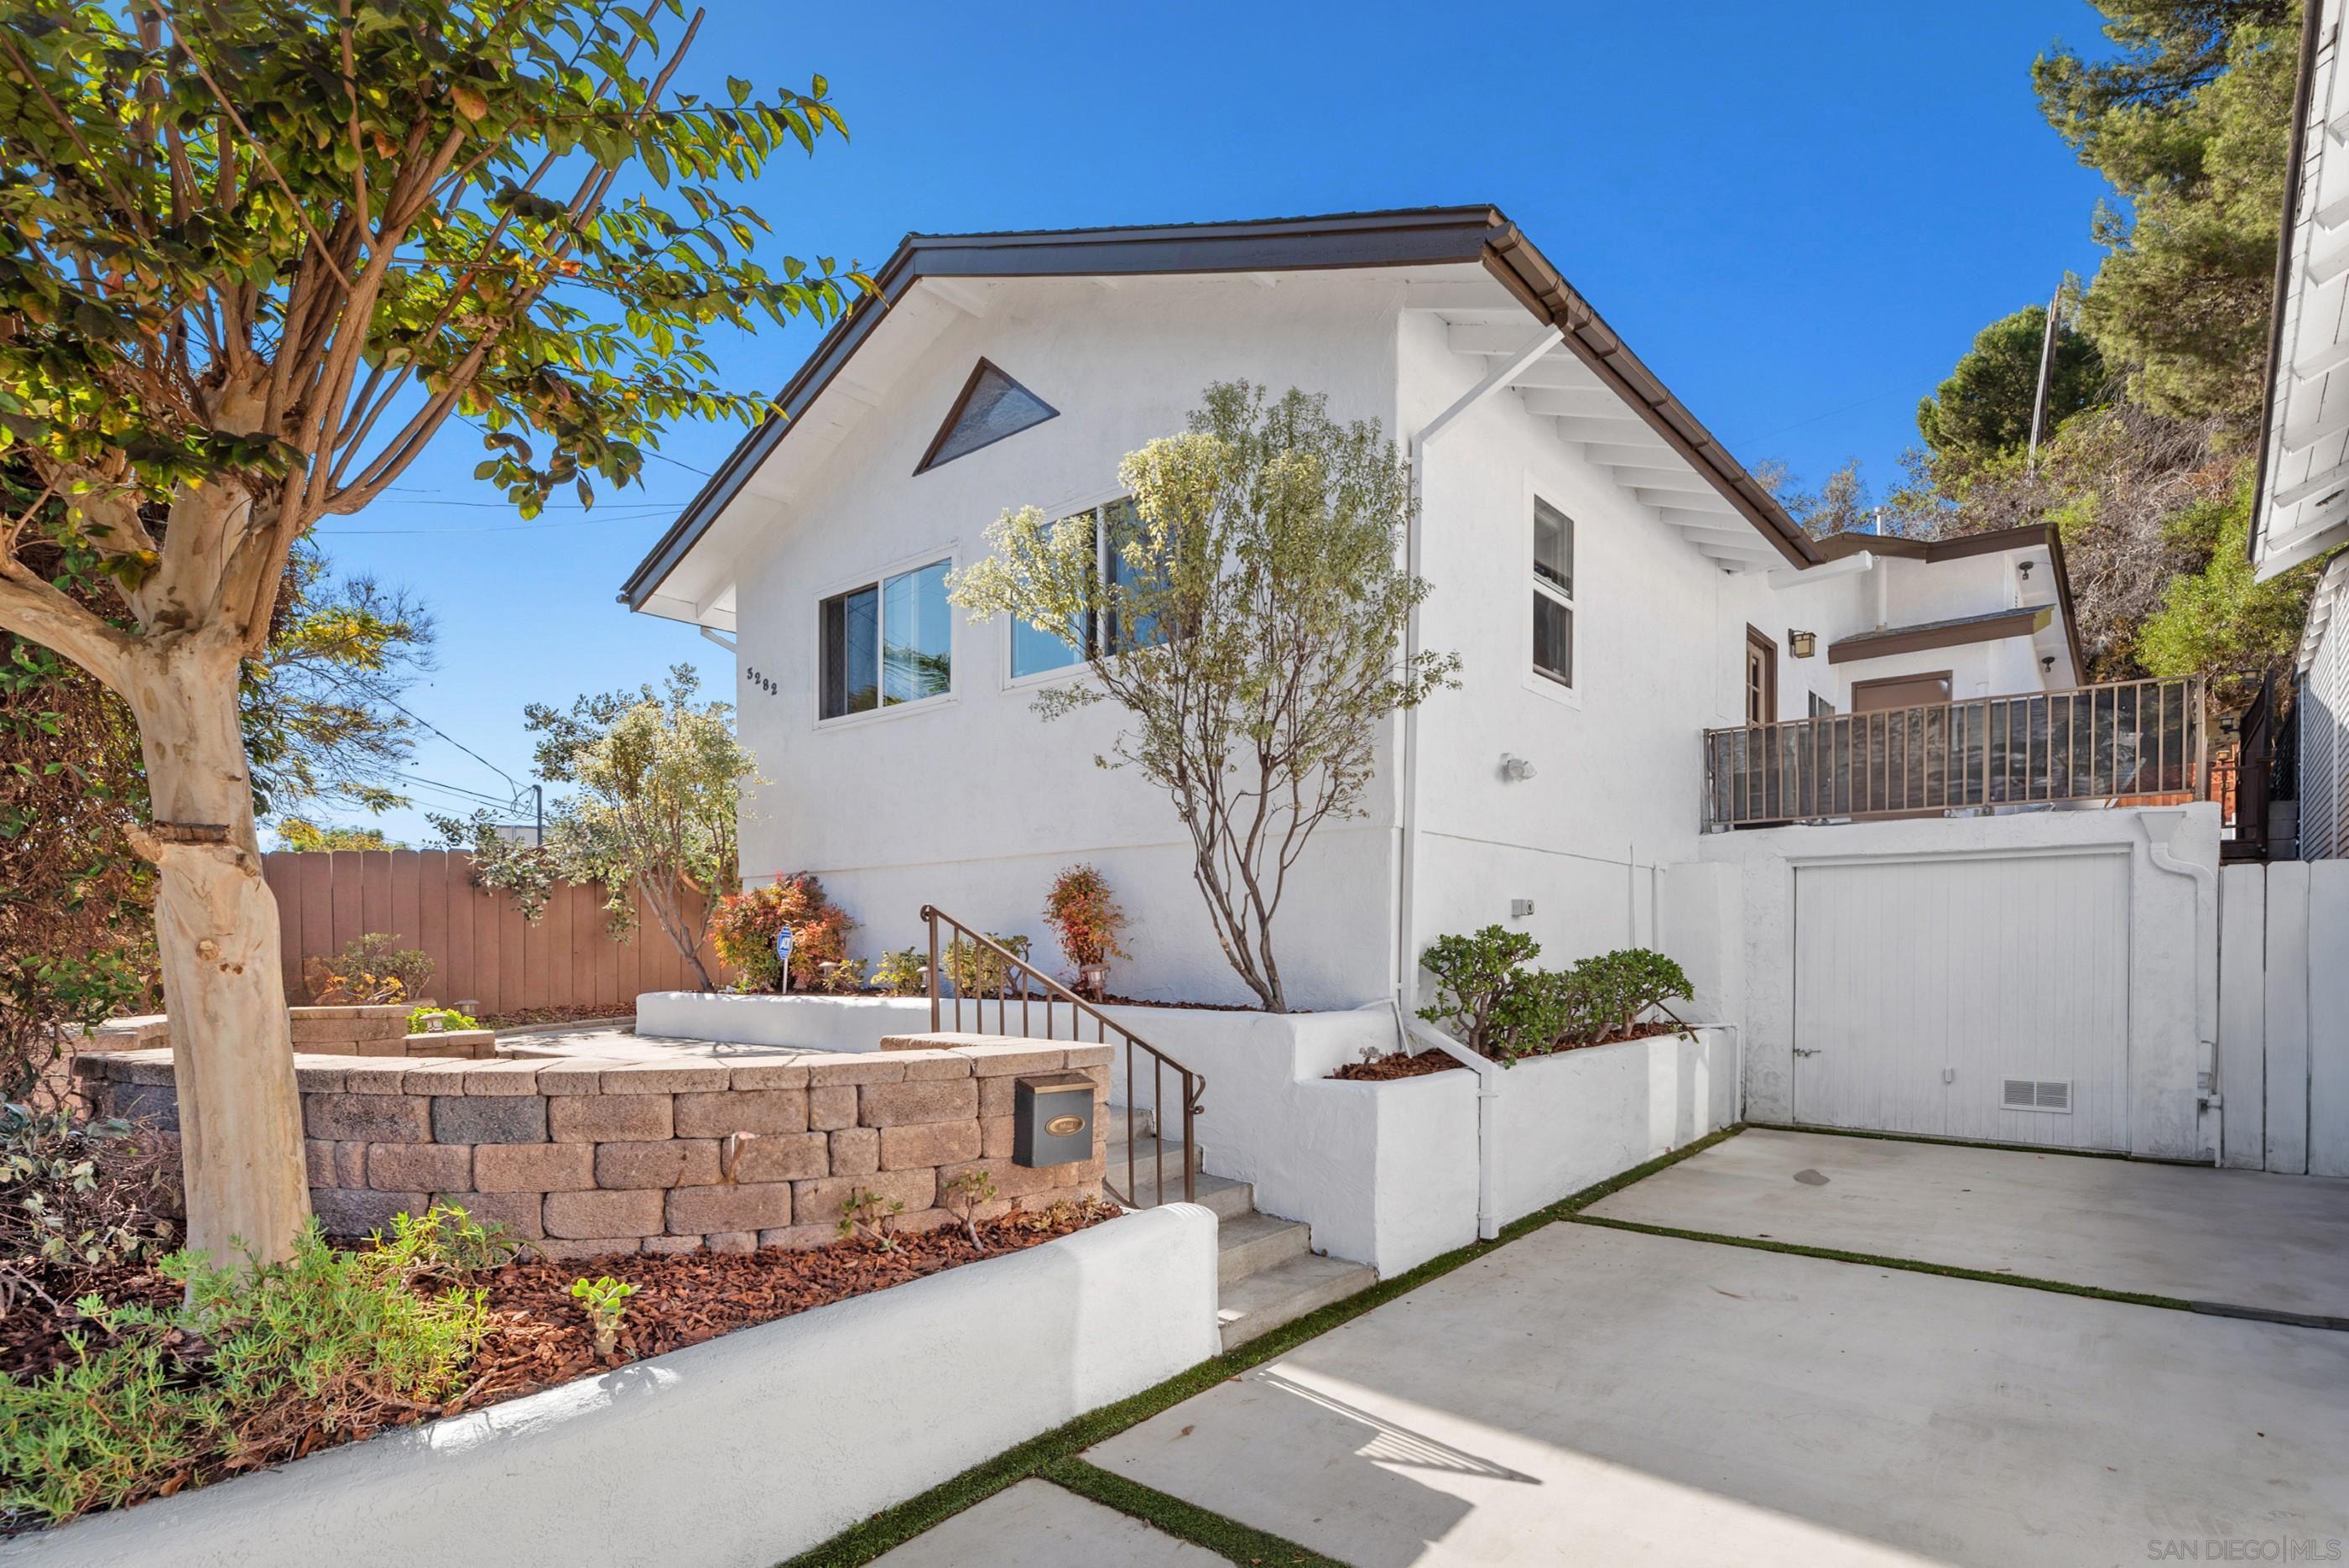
(809, 1023)
(1580, 1116)
(742, 1450)
(1395, 1167)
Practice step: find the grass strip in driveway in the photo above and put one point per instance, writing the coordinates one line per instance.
(1838, 1255)
(861, 1543)
(1228, 1538)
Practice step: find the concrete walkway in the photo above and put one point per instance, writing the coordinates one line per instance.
(1037, 1525)
(1594, 1396)
(2242, 1238)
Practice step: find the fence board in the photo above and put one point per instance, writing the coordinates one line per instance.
(481, 948)
(2328, 1018)
(2287, 1017)
(2242, 1014)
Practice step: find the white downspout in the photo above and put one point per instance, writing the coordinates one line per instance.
(1488, 1110)
(2205, 958)
(1406, 954)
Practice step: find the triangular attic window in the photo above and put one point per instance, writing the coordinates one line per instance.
(992, 406)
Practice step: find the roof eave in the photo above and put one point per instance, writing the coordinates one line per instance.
(1419, 236)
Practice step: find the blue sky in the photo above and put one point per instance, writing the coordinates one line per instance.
(1797, 215)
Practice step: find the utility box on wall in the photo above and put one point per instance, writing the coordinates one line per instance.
(1053, 1119)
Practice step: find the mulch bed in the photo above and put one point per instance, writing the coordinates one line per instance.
(1398, 1065)
(1431, 1060)
(541, 1337)
(529, 1017)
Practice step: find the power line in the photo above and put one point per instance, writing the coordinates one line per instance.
(457, 743)
(644, 516)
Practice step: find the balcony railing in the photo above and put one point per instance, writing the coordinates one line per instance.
(2131, 739)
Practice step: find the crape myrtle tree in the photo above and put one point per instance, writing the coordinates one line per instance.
(256, 256)
(1249, 624)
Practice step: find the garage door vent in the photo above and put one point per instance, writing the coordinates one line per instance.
(2037, 1095)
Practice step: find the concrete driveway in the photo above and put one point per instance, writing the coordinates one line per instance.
(2243, 1240)
(1590, 1395)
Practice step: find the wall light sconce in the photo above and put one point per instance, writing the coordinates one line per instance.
(1515, 770)
(2025, 568)
(2047, 661)
(1804, 643)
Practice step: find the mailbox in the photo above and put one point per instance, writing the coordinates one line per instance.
(1053, 1119)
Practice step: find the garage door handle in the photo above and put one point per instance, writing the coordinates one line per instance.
(1812, 1051)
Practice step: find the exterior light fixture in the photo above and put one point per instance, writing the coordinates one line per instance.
(1804, 643)
(1517, 770)
(2025, 568)
(2047, 661)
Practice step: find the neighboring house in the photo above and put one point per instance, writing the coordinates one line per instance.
(2302, 505)
(1616, 584)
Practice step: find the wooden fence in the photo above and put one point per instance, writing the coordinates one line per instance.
(2283, 1015)
(480, 947)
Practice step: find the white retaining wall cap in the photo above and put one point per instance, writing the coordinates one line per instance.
(743, 1449)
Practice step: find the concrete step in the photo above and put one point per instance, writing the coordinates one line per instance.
(1287, 1291)
(1146, 1122)
(1250, 1243)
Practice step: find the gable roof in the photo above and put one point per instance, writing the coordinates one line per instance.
(1416, 237)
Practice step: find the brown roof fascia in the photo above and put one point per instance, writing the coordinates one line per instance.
(1513, 259)
(1991, 628)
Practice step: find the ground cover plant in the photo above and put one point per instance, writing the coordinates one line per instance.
(174, 1373)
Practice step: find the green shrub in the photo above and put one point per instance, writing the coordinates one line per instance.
(253, 1360)
(742, 932)
(901, 972)
(1485, 997)
(1615, 993)
(1494, 1005)
(977, 971)
(89, 1194)
(370, 970)
(420, 1019)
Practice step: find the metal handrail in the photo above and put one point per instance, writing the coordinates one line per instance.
(1033, 985)
(2114, 742)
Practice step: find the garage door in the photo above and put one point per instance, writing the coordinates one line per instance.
(1973, 998)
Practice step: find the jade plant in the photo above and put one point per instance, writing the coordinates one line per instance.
(606, 1301)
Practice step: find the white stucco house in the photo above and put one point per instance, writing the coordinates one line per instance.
(1617, 585)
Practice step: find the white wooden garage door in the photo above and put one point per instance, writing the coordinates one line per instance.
(1971, 998)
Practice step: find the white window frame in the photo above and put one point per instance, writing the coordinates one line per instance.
(950, 555)
(1569, 694)
(1099, 501)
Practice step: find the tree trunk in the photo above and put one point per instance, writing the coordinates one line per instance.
(216, 925)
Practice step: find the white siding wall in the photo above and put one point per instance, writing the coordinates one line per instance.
(2323, 707)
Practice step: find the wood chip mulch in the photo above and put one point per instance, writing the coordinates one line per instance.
(1381, 1069)
(1397, 1066)
(540, 1336)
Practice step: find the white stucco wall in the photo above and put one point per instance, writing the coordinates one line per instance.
(972, 802)
(1575, 1119)
(741, 1450)
(2172, 932)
